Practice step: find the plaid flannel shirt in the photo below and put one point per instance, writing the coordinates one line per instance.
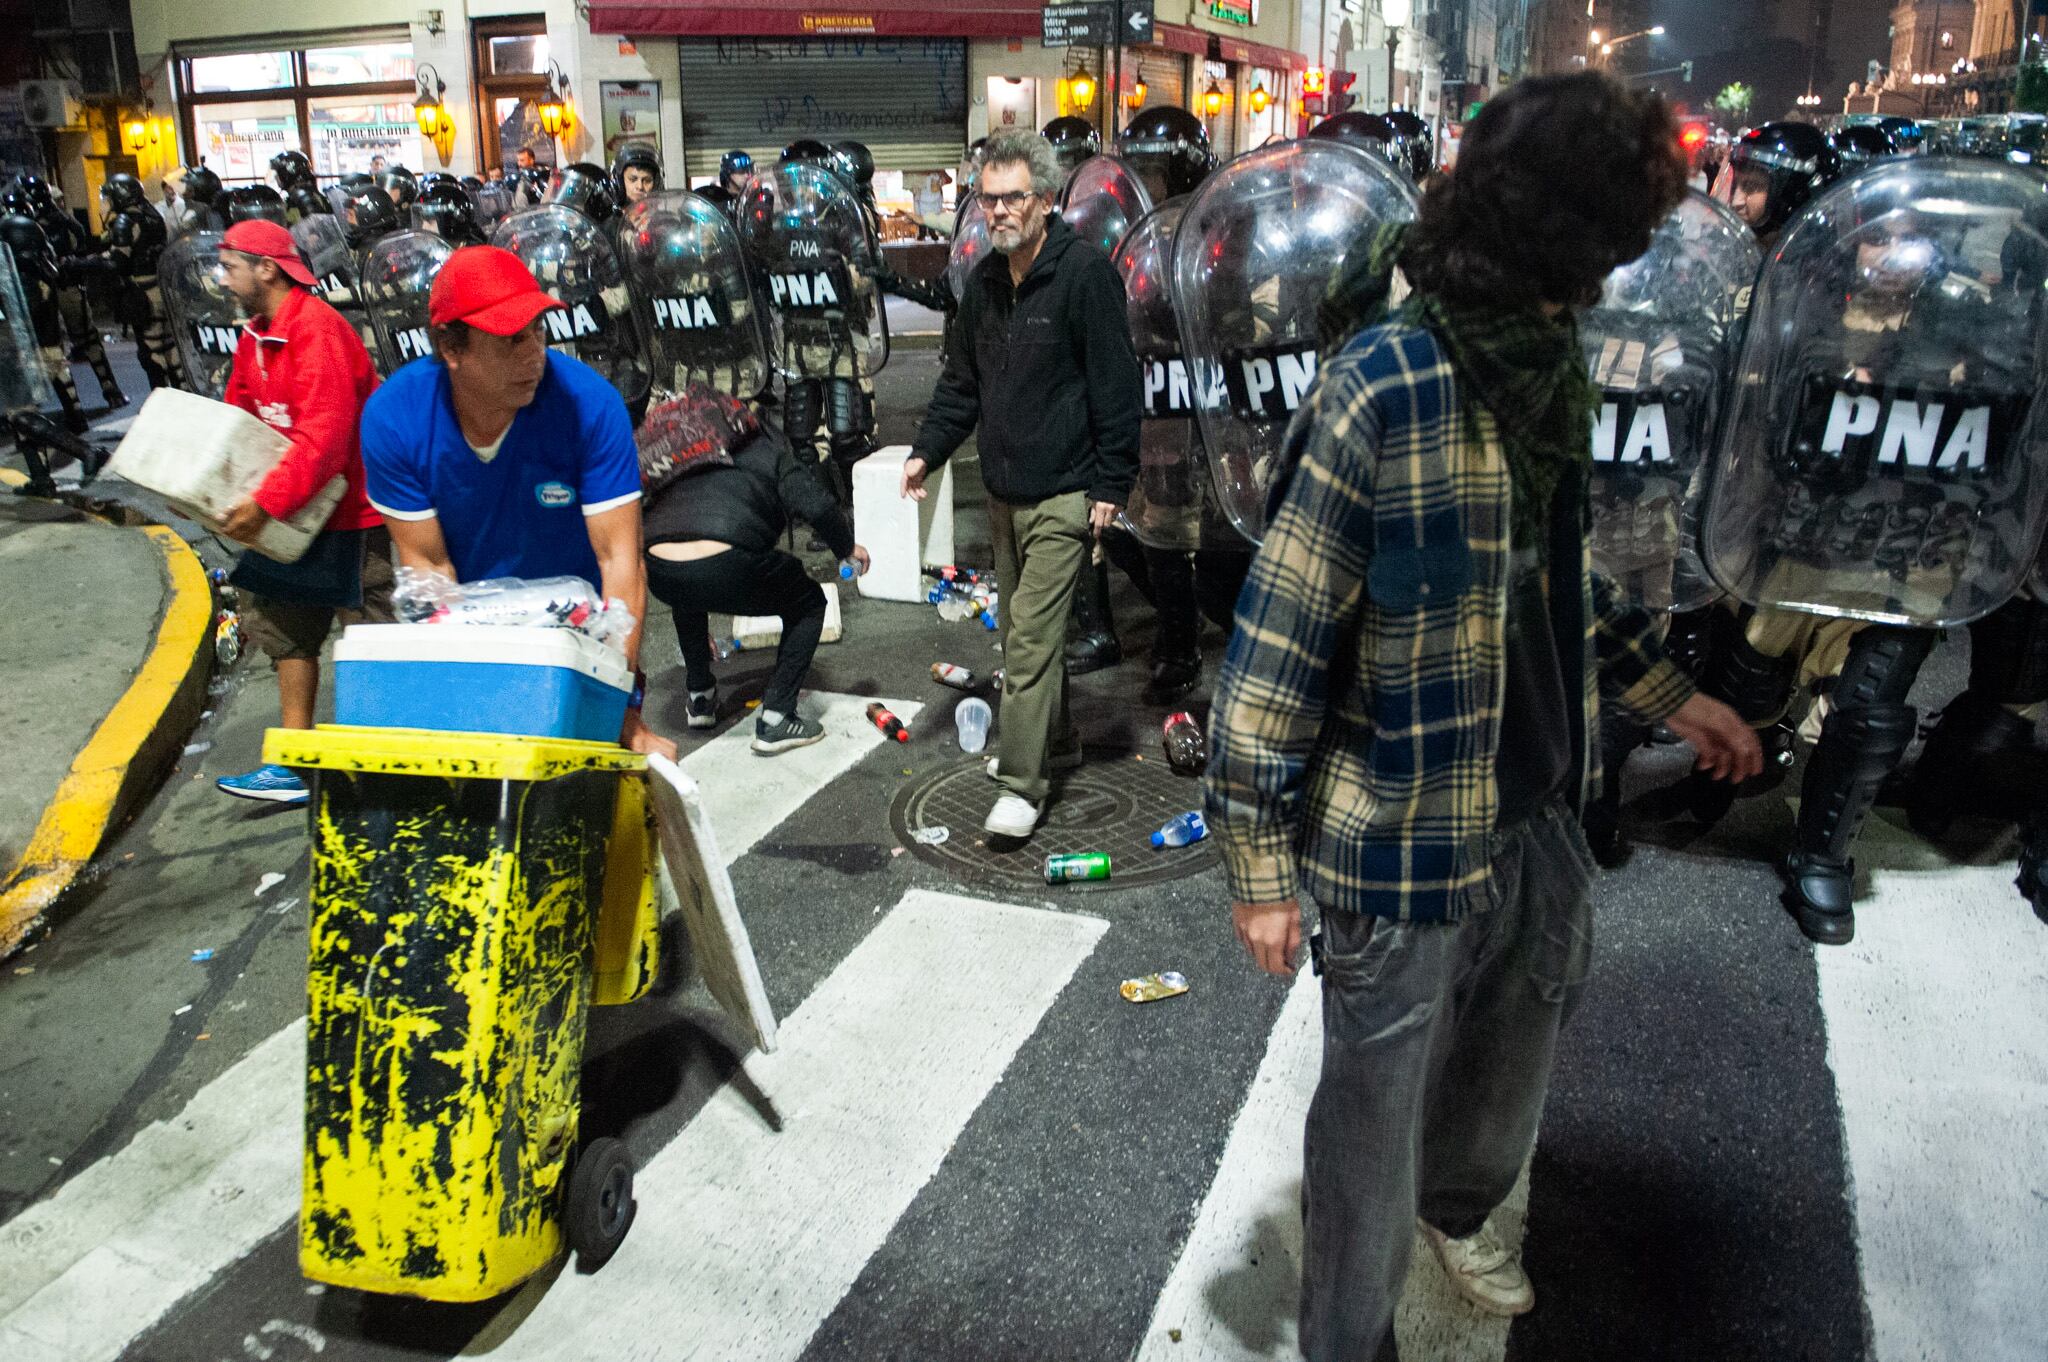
(1356, 724)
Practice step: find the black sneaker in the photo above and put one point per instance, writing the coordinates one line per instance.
(703, 710)
(794, 731)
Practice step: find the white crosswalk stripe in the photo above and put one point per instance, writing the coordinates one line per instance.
(87, 1270)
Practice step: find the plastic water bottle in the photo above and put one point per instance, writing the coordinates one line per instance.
(971, 718)
(848, 569)
(1187, 751)
(1181, 831)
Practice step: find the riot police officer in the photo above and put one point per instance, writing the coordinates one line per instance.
(253, 203)
(1169, 148)
(583, 187)
(199, 193)
(71, 243)
(401, 185)
(371, 214)
(295, 179)
(1416, 139)
(42, 277)
(1775, 170)
(735, 177)
(135, 241)
(1073, 140)
(636, 174)
(1858, 144)
(1370, 131)
(446, 211)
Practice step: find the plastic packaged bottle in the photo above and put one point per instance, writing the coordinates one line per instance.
(1187, 751)
(971, 718)
(954, 675)
(1182, 831)
(891, 726)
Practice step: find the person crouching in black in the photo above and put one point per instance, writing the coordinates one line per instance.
(721, 484)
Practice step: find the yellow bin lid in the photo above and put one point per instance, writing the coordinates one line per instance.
(454, 756)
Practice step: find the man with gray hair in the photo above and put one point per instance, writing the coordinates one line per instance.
(1042, 366)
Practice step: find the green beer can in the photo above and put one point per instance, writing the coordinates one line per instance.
(1081, 865)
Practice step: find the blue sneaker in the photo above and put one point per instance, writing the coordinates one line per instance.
(273, 784)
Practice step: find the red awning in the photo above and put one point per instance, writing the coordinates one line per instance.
(810, 19)
(1260, 55)
(1180, 38)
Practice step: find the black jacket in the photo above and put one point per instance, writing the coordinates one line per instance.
(749, 503)
(1047, 372)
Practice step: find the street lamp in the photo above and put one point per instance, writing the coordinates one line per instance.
(1607, 48)
(1395, 14)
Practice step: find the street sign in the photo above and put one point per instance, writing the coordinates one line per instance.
(1078, 25)
(1095, 25)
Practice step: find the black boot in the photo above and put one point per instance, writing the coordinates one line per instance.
(1981, 758)
(2033, 880)
(1092, 644)
(1176, 648)
(1620, 735)
(1757, 687)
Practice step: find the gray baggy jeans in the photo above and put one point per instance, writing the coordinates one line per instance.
(1438, 1040)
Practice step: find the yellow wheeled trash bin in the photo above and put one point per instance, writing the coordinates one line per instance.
(472, 895)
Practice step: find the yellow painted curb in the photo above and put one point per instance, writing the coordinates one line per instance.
(103, 780)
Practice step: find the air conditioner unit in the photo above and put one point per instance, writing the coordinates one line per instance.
(52, 104)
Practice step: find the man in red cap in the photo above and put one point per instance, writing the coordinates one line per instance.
(301, 369)
(499, 457)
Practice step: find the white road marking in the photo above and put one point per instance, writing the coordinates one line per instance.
(87, 1270)
(1936, 1036)
(1235, 1293)
(746, 1239)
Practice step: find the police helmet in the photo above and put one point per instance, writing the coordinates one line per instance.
(854, 163)
(1360, 129)
(255, 202)
(291, 169)
(583, 187)
(202, 186)
(807, 150)
(371, 214)
(445, 210)
(1073, 140)
(124, 192)
(1858, 144)
(1170, 143)
(1796, 159)
(734, 162)
(634, 156)
(401, 185)
(1414, 132)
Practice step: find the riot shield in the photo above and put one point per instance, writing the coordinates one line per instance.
(323, 244)
(1102, 198)
(1173, 503)
(573, 260)
(814, 248)
(494, 202)
(398, 274)
(1660, 346)
(690, 281)
(970, 246)
(23, 382)
(1255, 249)
(205, 316)
(1885, 452)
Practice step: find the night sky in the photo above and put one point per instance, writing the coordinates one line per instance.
(1735, 40)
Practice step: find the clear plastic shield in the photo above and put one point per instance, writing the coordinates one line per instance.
(815, 251)
(970, 246)
(1885, 452)
(203, 314)
(1254, 252)
(494, 202)
(1173, 504)
(398, 274)
(323, 244)
(22, 380)
(574, 260)
(1660, 346)
(1103, 197)
(689, 278)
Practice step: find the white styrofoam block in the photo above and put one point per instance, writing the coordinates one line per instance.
(765, 631)
(900, 535)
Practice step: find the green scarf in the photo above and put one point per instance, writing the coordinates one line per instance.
(1523, 367)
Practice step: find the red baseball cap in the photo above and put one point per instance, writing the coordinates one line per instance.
(488, 287)
(261, 237)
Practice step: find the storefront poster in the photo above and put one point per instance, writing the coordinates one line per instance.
(632, 114)
(1012, 103)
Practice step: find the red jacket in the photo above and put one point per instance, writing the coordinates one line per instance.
(305, 374)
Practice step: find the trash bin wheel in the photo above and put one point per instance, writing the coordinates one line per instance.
(600, 1206)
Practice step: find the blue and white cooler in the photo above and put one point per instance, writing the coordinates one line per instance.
(481, 678)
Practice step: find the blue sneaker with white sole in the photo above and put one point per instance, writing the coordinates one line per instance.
(272, 784)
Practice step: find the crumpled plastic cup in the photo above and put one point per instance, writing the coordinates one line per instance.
(971, 719)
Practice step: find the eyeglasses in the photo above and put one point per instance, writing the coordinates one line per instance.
(1014, 200)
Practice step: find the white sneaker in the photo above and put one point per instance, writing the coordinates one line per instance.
(1483, 1270)
(1013, 816)
(1069, 760)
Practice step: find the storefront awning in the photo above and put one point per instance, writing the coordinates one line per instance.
(809, 19)
(1258, 54)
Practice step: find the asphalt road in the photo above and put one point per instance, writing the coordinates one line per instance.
(970, 1147)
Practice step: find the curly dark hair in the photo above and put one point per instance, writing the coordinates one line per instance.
(1559, 180)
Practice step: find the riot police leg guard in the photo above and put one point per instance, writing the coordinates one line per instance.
(1756, 686)
(37, 438)
(1982, 756)
(1176, 648)
(803, 415)
(59, 370)
(1092, 643)
(849, 430)
(1870, 728)
(85, 344)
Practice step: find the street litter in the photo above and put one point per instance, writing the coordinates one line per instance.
(1153, 987)
(24, 969)
(183, 1010)
(203, 954)
(268, 883)
(931, 837)
(1081, 865)
(889, 724)
(196, 748)
(1181, 831)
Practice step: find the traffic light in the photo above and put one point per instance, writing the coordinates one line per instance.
(1692, 137)
(1313, 80)
(1340, 96)
(1686, 67)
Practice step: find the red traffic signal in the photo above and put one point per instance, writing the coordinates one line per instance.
(1692, 136)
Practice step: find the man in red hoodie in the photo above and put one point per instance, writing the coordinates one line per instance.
(301, 370)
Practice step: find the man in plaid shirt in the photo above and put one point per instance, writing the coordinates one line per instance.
(1404, 724)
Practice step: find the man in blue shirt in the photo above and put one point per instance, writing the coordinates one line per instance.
(499, 457)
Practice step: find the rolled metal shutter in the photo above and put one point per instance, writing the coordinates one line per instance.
(1165, 74)
(905, 97)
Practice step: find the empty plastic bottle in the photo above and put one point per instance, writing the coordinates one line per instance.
(1181, 831)
(1187, 751)
(954, 675)
(971, 718)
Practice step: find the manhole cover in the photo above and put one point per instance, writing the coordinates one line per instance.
(1113, 803)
